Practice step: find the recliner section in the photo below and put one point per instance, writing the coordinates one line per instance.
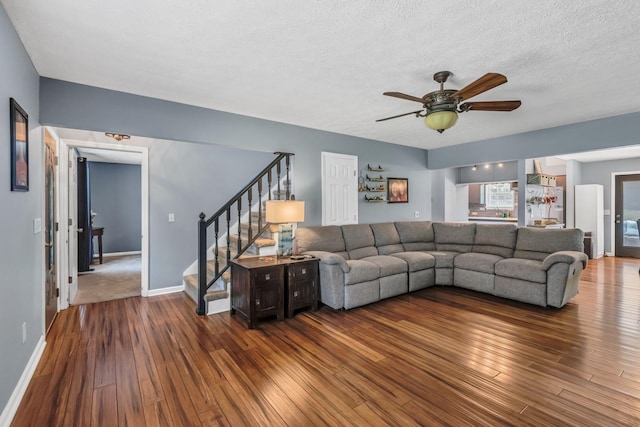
(363, 263)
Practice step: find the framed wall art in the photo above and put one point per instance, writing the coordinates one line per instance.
(19, 147)
(398, 190)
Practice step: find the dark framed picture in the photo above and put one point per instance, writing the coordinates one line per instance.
(398, 190)
(19, 147)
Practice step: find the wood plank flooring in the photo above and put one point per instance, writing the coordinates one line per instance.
(441, 356)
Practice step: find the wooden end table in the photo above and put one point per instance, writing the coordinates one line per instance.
(269, 286)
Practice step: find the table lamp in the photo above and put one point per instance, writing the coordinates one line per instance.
(283, 213)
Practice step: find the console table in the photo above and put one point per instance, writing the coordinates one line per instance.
(98, 231)
(269, 286)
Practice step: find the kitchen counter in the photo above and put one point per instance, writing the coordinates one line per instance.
(492, 220)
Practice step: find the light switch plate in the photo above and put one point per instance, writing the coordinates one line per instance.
(606, 212)
(172, 217)
(416, 214)
(37, 225)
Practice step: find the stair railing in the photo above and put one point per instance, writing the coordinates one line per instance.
(223, 218)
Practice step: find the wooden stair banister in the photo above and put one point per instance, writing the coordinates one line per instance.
(225, 214)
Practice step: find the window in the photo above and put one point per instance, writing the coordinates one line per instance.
(499, 196)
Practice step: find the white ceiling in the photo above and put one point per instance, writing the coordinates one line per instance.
(324, 64)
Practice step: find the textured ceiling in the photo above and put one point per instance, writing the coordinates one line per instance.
(324, 64)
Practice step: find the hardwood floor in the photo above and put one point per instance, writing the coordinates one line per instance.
(441, 356)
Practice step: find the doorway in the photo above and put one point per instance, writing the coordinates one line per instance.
(112, 211)
(69, 150)
(627, 215)
(50, 229)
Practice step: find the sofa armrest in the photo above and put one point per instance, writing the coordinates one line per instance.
(330, 258)
(567, 257)
(332, 269)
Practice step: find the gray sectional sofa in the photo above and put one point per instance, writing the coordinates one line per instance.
(364, 263)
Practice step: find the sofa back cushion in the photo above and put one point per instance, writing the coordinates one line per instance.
(416, 235)
(454, 236)
(537, 243)
(327, 239)
(387, 238)
(496, 239)
(359, 240)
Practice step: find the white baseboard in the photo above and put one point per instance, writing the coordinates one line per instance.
(18, 393)
(118, 254)
(163, 291)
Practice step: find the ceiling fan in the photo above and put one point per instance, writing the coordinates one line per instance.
(441, 107)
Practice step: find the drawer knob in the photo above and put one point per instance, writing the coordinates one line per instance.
(267, 276)
(295, 294)
(258, 301)
(304, 271)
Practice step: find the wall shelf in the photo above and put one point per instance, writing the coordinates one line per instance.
(374, 179)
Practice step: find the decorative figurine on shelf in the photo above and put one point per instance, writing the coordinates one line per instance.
(361, 185)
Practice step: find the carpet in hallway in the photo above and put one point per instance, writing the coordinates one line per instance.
(118, 277)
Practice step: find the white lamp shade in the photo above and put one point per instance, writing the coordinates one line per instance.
(441, 120)
(284, 211)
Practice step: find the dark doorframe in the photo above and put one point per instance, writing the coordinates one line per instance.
(627, 215)
(85, 252)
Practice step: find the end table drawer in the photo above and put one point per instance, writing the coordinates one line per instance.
(303, 270)
(267, 276)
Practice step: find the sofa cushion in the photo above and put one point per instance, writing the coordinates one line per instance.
(524, 269)
(496, 239)
(361, 271)
(387, 238)
(443, 259)
(328, 239)
(416, 260)
(483, 263)
(454, 236)
(537, 243)
(359, 240)
(416, 235)
(388, 265)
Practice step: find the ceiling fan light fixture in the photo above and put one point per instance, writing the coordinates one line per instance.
(441, 120)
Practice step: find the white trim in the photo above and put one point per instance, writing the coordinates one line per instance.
(163, 291)
(18, 393)
(144, 172)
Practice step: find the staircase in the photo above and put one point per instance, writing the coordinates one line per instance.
(221, 238)
(217, 296)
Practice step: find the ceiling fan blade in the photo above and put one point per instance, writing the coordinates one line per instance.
(403, 96)
(483, 84)
(490, 106)
(399, 115)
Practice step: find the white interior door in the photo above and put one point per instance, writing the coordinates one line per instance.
(339, 189)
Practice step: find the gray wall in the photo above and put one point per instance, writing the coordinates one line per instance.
(595, 134)
(228, 144)
(186, 179)
(77, 106)
(115, 197)
(600, 173)
(404, 164)
(21, 251)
